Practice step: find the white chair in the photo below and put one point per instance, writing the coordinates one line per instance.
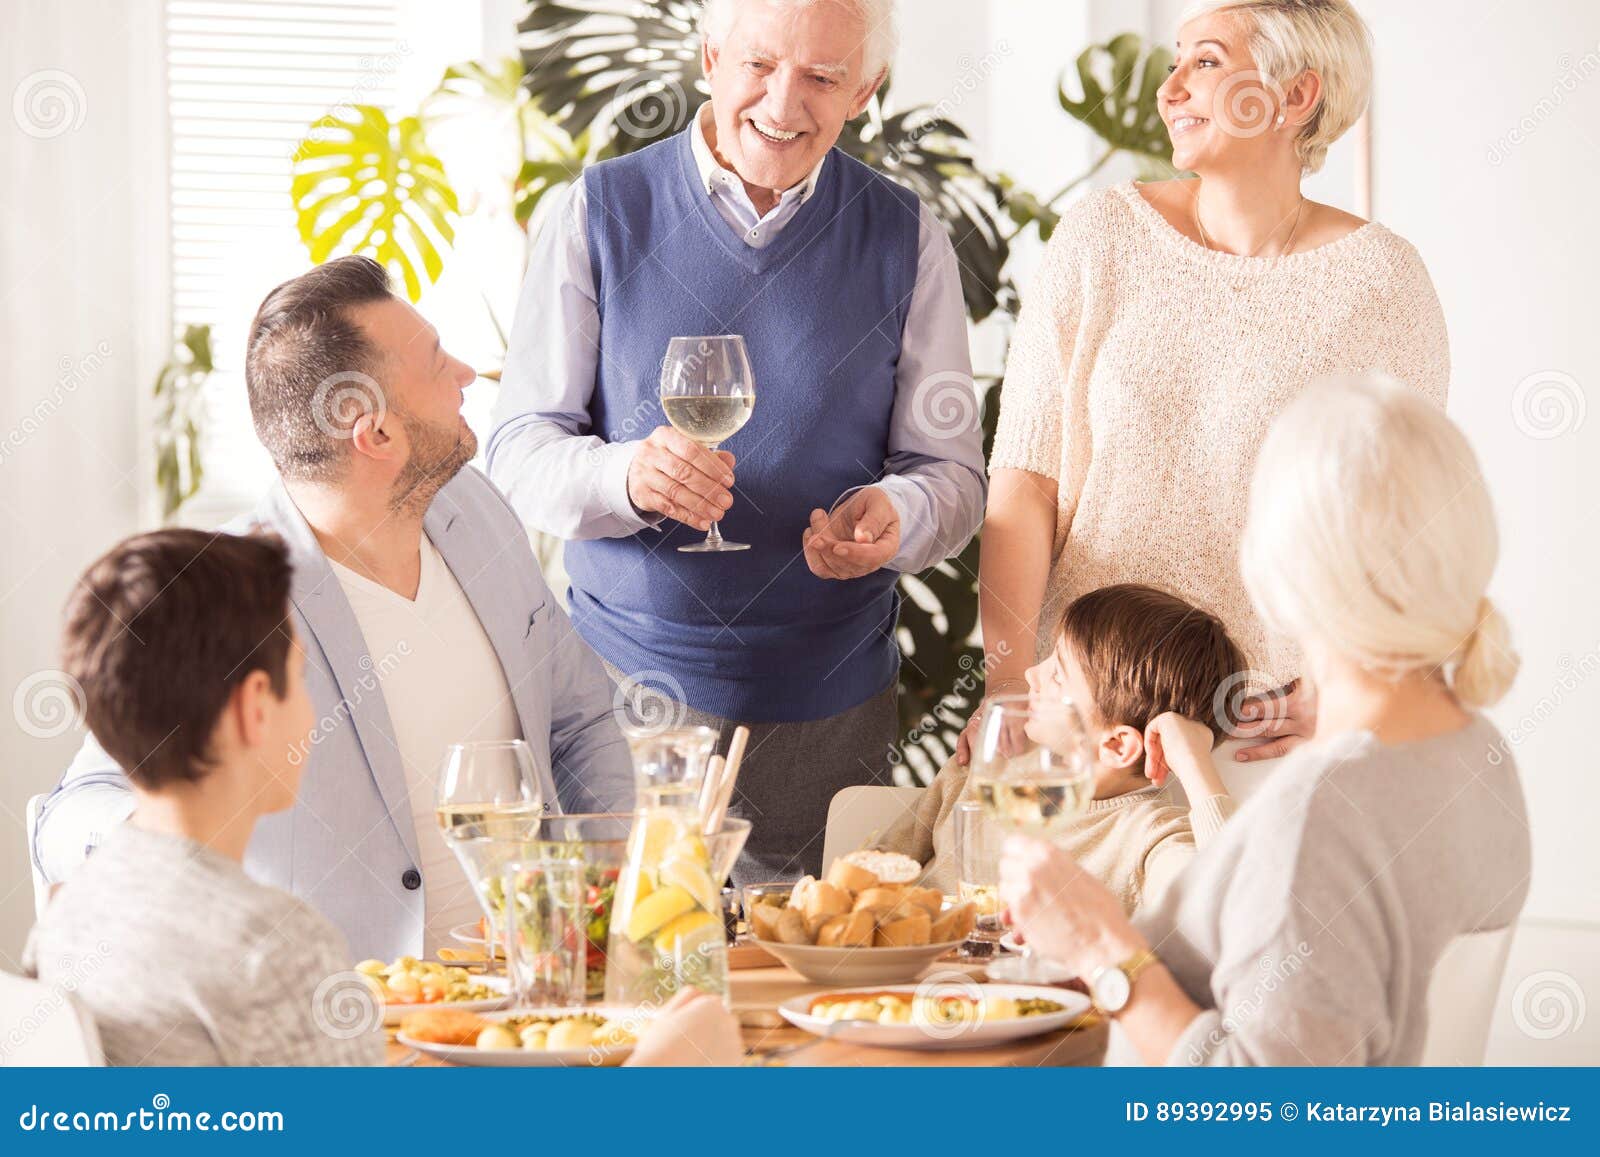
(41, 887)
(1461, 997)
(856, 814)
(44, 1027)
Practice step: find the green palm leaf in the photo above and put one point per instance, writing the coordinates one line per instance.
(364, 184)
(1119, 80)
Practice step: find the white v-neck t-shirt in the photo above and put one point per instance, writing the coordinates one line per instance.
(442, 683)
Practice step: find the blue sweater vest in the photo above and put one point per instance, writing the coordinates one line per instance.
(752, 636)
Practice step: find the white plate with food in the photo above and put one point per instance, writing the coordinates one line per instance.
(589, 1037)
(867, 923)
(945, 1016)
(410, 984)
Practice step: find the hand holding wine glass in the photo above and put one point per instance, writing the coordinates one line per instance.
(708, 393)
(674, 475)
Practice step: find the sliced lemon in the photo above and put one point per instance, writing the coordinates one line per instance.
(678, 937)
(690, 847)
(691, 877)
(661, 829)
(656, 909)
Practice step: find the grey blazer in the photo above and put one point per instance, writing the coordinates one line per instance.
(348, 847)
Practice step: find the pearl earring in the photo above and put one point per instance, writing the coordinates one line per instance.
(1280, 120)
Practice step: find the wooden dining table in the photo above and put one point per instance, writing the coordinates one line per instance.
(756, 993)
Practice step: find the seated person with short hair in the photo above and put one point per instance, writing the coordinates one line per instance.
(193, 680)
(1145, 669)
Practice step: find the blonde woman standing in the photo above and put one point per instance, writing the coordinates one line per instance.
(1171, 321)
(1371, 541)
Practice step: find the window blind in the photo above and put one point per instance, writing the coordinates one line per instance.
(245, 80)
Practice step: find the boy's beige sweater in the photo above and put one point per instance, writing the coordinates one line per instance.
(1136, 844)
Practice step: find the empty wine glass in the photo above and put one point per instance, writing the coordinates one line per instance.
(707, 393)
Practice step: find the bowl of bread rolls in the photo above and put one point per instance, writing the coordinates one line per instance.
(865, 922)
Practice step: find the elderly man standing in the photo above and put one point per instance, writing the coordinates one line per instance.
(863, 459)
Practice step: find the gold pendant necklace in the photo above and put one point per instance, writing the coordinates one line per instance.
(1288, 245)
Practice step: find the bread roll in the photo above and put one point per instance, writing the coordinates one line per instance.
(764, 921)
(824, 900)
(878, 899)
(849, 931)
(911, 932)
(850, 878)
(956, 924)
(792, 928)
(928, 899)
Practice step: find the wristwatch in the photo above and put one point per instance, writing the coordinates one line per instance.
(1111, 986)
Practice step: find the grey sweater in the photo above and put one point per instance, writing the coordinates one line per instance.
(1309, 930)
(184, 960)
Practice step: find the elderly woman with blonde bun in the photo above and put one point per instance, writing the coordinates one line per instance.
(1171, 321)
(1370, 542)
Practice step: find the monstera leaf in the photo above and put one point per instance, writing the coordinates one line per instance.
(933, 158)
(1119, 80)
(364, 184)
(627, 72)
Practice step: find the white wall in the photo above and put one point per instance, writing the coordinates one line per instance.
(1509, 234)
(83, 327)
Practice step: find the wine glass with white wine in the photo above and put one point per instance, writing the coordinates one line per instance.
(1032, 772)
(708, 393)
(488, 794)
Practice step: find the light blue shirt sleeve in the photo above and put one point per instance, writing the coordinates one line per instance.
(567, 479)
(562, 477)
(934, 474)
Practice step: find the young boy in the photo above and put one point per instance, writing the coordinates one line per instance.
(1145, 670)
(193, 680)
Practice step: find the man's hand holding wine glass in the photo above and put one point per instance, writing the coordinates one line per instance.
(674, 475)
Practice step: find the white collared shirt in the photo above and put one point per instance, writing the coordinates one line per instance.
(732, 199)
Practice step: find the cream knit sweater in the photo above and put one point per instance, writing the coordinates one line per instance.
(1145, 370)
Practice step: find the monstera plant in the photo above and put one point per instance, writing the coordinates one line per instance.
(600, 78)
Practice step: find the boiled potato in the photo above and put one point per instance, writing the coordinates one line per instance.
(498, 1036)
(533, 1036)
(571, 1034)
